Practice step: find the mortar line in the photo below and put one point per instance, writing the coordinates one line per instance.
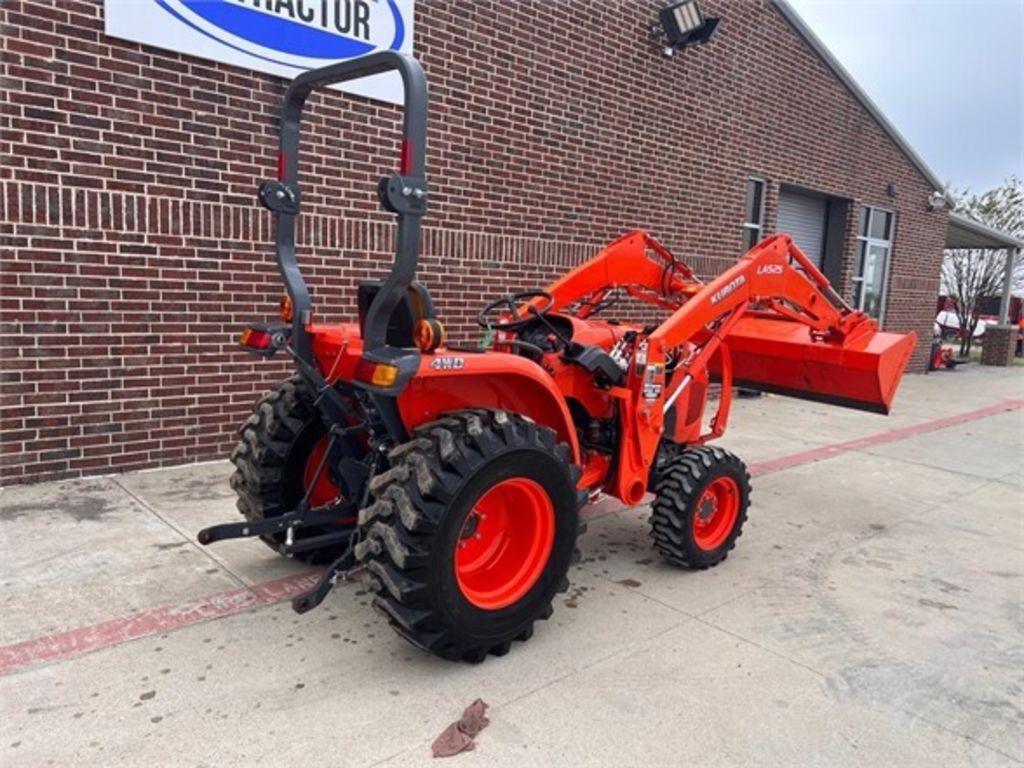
(206, 551)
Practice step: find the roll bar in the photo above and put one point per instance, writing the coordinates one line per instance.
(403, 193)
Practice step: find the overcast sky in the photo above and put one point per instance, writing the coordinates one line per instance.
(949, 74)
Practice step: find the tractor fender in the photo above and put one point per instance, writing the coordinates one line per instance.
(455, 380)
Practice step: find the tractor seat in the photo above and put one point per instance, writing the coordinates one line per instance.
(596, 361)
(414, 306)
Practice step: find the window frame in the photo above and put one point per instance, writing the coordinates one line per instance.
(864, 242)
(758, 226)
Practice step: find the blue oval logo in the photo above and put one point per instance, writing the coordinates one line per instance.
(329, 30)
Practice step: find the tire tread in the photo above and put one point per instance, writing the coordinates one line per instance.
(410, 500)
(678, 488)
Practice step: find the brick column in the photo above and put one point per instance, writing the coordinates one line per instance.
(998, 345)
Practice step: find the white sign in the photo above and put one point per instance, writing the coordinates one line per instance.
(281, 37)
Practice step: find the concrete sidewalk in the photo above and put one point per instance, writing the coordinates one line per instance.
(870, 615)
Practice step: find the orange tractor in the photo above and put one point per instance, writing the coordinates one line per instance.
(456, 476)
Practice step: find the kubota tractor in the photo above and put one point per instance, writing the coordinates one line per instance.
(456, 476)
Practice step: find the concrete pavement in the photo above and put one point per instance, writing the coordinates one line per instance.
(870, 615)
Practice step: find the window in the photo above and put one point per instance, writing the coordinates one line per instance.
(874, 243)
(754, 221)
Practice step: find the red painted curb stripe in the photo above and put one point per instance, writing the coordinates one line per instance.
(74, 642)
(827, 451)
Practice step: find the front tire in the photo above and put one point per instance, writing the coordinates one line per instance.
(472, 532)
(701, 503)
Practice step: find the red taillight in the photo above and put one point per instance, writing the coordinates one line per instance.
(254, 338)
(280, 166)
(405, 163)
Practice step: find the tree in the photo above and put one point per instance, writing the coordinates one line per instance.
(970, 275)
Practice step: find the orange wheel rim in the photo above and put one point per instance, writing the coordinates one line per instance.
(505, 543)
(324, 489)
(716, 513)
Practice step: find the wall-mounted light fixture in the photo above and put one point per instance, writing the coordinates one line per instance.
(937, 200)
(681, 23)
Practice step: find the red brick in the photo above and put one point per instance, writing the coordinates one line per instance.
(133, 247)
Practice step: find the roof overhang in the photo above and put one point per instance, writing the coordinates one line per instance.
(790, 14)
(962, 232)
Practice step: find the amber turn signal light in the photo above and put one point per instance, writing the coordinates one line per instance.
(428, 334)
(378, 374)
(287, 311)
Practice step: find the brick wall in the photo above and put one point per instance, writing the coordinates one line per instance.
(133, 248)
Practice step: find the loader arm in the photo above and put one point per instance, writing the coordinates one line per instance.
(772, 320)
(636, 263)
(777, 277)
(640, 265)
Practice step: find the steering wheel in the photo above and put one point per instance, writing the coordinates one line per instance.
(511, 304)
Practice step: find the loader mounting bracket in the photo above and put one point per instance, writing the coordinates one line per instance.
(280, 197)
(406, 195)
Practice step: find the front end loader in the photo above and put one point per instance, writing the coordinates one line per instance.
(453, 477)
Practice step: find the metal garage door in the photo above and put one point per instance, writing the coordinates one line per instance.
(802, 217)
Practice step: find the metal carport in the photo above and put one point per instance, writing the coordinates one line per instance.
(962, 232)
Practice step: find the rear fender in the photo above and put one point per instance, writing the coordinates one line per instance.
(452, 381)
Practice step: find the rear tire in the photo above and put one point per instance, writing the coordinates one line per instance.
(427, 542)
(272, 462)
(701, 503)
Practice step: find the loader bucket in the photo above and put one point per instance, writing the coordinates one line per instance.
(777, 355)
